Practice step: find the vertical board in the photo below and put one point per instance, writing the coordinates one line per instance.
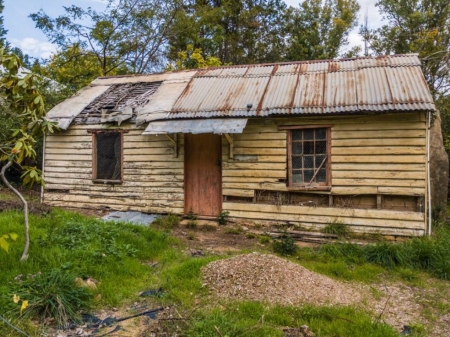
(203, 174)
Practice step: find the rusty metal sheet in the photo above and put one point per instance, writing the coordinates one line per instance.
(384, 83)
(196, 126)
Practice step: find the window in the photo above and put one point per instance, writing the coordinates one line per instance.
(309, 157)
(107, 157)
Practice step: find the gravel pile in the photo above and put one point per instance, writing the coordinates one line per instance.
(271, 279)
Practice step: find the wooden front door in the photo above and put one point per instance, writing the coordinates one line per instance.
(203, 174)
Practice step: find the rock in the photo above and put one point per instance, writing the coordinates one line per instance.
(305, 332)
(438, 168)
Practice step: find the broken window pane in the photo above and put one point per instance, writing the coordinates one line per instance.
(309, 157)
(320, 147)
(308, 147)
(308, 161)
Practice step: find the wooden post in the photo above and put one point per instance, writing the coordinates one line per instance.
(230, 142)
(174, 140)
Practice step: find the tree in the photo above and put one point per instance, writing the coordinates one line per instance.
(24, 104)
(235, 31)
(74, 68)
(193, 59)
(319, 29)
(3, 31)
(129, 33)
(419, 26)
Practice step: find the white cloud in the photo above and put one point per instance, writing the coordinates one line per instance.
(34, 47)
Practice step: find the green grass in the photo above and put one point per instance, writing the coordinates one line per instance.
(114, 254)
(406, 260)
(118, 256)
(258, 319)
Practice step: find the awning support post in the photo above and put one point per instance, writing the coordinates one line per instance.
(174, 140)
(230, 141)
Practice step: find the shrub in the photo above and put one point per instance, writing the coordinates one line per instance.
(53, 294)
(284, 245)
(222, 218)
(386, 254)
(339, 229)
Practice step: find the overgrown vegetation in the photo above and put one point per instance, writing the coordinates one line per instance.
(284, 245)
(222, 218)
(422, 254)
(257, 319)
(126, 259)
(51, 295)
(339, 229)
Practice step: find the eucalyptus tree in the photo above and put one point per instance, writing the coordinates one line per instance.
(319, 29)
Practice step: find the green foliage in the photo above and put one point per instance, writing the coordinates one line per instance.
(417, 27)
(264, 239)
(105, 251)
(319, 29)
(4, 240)
(191, 215)
(192, 58)
(192, 224)
(53, 294)
(128, 34)
(339, 229)
(222, 218)
(23, 104)
(257, 319)
(386, 254)
(234, 230)
(168, 222)
(284, 245)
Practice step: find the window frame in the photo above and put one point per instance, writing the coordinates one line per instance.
(302, 187)
(95, 158)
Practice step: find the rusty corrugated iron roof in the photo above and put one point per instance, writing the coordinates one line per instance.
(379, 84)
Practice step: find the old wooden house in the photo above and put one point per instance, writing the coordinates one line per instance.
(307, 143)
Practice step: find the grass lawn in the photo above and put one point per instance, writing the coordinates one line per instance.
(125, 259)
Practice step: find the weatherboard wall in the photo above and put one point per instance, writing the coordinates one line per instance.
(371, 155)
(152, 176)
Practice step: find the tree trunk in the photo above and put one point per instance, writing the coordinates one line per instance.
(25, 210)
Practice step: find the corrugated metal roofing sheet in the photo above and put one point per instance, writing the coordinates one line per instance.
(388, 83)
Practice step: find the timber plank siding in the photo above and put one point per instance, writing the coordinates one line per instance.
(372, 156)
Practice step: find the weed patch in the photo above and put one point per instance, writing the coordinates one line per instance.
(54, 294)
(284, 245)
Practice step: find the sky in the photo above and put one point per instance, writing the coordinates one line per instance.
(22, 32)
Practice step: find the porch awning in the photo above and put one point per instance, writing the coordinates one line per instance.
(210, 125)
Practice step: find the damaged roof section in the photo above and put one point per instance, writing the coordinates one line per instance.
(393, 83)
(120, 102)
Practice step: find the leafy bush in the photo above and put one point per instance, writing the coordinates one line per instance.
(222, 218)
(284, 245)
(53, 294)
